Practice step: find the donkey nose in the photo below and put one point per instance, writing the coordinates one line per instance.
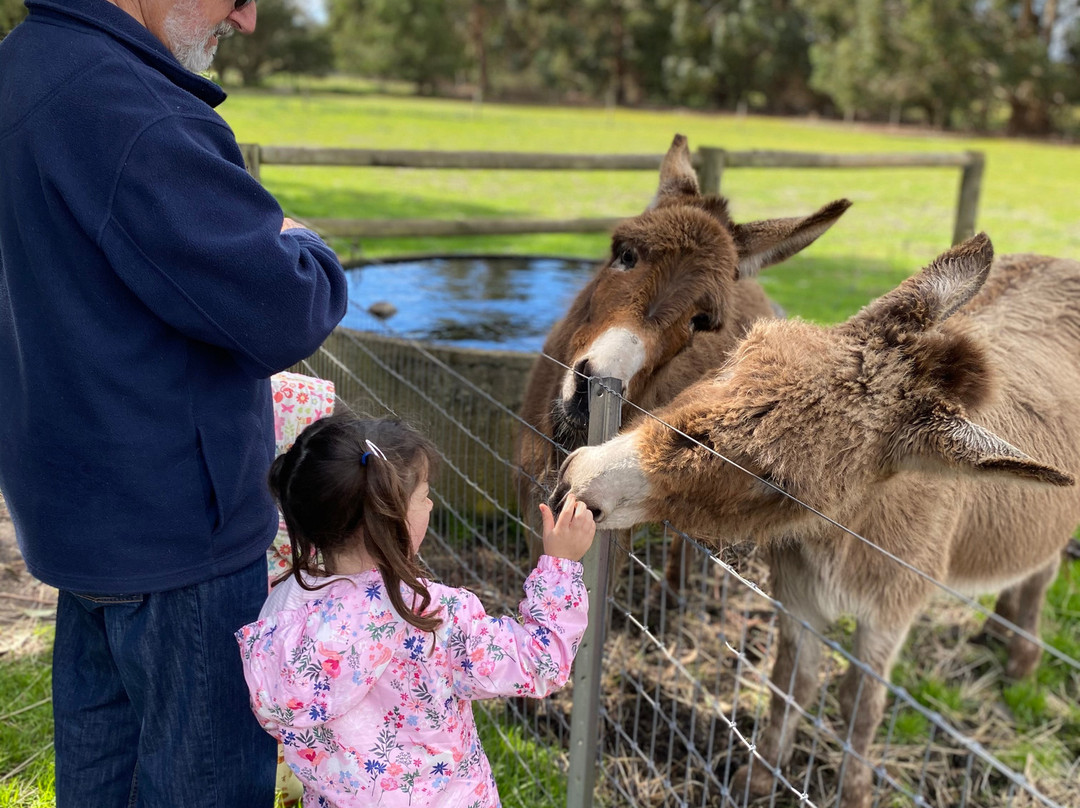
(558, 498)
(562, 487)
(576, 407)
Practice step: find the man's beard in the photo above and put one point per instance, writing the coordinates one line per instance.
(188, 37)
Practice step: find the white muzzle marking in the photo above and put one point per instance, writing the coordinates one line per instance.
(618, 353)
(609, 477)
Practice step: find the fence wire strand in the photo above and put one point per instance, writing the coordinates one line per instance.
(686, 682)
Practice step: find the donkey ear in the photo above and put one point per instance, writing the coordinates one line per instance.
(677, 175)
(951, 441)
(762, 244)
(933, 295)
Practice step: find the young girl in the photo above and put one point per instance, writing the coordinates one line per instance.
(364, 670)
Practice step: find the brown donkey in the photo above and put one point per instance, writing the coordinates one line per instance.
(675, 296)
(899, 424)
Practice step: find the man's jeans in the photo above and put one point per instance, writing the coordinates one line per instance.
(149, 700)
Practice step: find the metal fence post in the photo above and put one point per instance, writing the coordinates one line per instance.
(968, 203)
(605, 412)
(711, 169)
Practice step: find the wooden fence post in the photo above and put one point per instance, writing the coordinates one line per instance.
(968, 203)
(711, 169)
(251, 158)
(605, 413)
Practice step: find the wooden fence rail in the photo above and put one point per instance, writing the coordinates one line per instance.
(710, 163)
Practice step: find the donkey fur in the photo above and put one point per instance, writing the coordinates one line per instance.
(673, 298)
(903, 425)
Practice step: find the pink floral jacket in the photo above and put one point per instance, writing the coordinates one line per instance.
(373, 712)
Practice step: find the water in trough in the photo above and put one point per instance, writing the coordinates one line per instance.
(502, 302)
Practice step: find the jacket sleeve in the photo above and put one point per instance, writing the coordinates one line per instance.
(306, 666)
(506, 657)
(199, 242)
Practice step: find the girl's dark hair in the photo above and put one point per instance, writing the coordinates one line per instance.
(331, 488)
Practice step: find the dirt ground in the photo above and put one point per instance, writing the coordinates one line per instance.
(25, 603)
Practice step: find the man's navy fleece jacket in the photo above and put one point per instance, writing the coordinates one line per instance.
(146, 296)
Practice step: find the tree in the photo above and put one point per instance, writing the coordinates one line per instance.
(942, 65)
(855, 52)
(1030, 80)
(284, 40)
(11, 14)
(893, 58)
(557, 47)
(730, 52)
(422, 41)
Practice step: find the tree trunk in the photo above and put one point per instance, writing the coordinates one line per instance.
(1029, 117)
(1049, 20)
(479, 46)
(1024, 23)
(618, 37)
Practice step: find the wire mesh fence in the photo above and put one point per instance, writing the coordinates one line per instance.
(690, 637)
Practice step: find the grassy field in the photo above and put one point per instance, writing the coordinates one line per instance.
(900, 220)
(26, 757)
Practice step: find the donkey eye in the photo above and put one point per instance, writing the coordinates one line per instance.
(703, 322)
(625, 259)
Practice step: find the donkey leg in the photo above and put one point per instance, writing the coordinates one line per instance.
(1024, 603)
(1007, 607)
(795, 673)
(862, 703)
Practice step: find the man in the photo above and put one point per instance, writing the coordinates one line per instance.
(148, 289)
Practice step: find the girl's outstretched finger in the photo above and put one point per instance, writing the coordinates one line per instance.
(569, 509)
(547, 518)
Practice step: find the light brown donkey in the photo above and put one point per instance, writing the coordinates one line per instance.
(902, 424)
(674, 297)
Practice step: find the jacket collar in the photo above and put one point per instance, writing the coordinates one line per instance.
(120, 25)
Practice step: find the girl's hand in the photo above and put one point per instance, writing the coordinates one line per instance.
(572, 534)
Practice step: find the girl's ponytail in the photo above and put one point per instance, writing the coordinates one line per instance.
(391, 481)
(333, 487)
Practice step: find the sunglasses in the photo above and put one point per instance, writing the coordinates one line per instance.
(239, 4)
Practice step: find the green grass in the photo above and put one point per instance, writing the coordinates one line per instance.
(1053, 694)
(929, 690)
(1061, 628)
(910, 727)
(26, 735)
(26, 757)
(901, 219)
(1027, 702)
(1034, 722)
(527, 772)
